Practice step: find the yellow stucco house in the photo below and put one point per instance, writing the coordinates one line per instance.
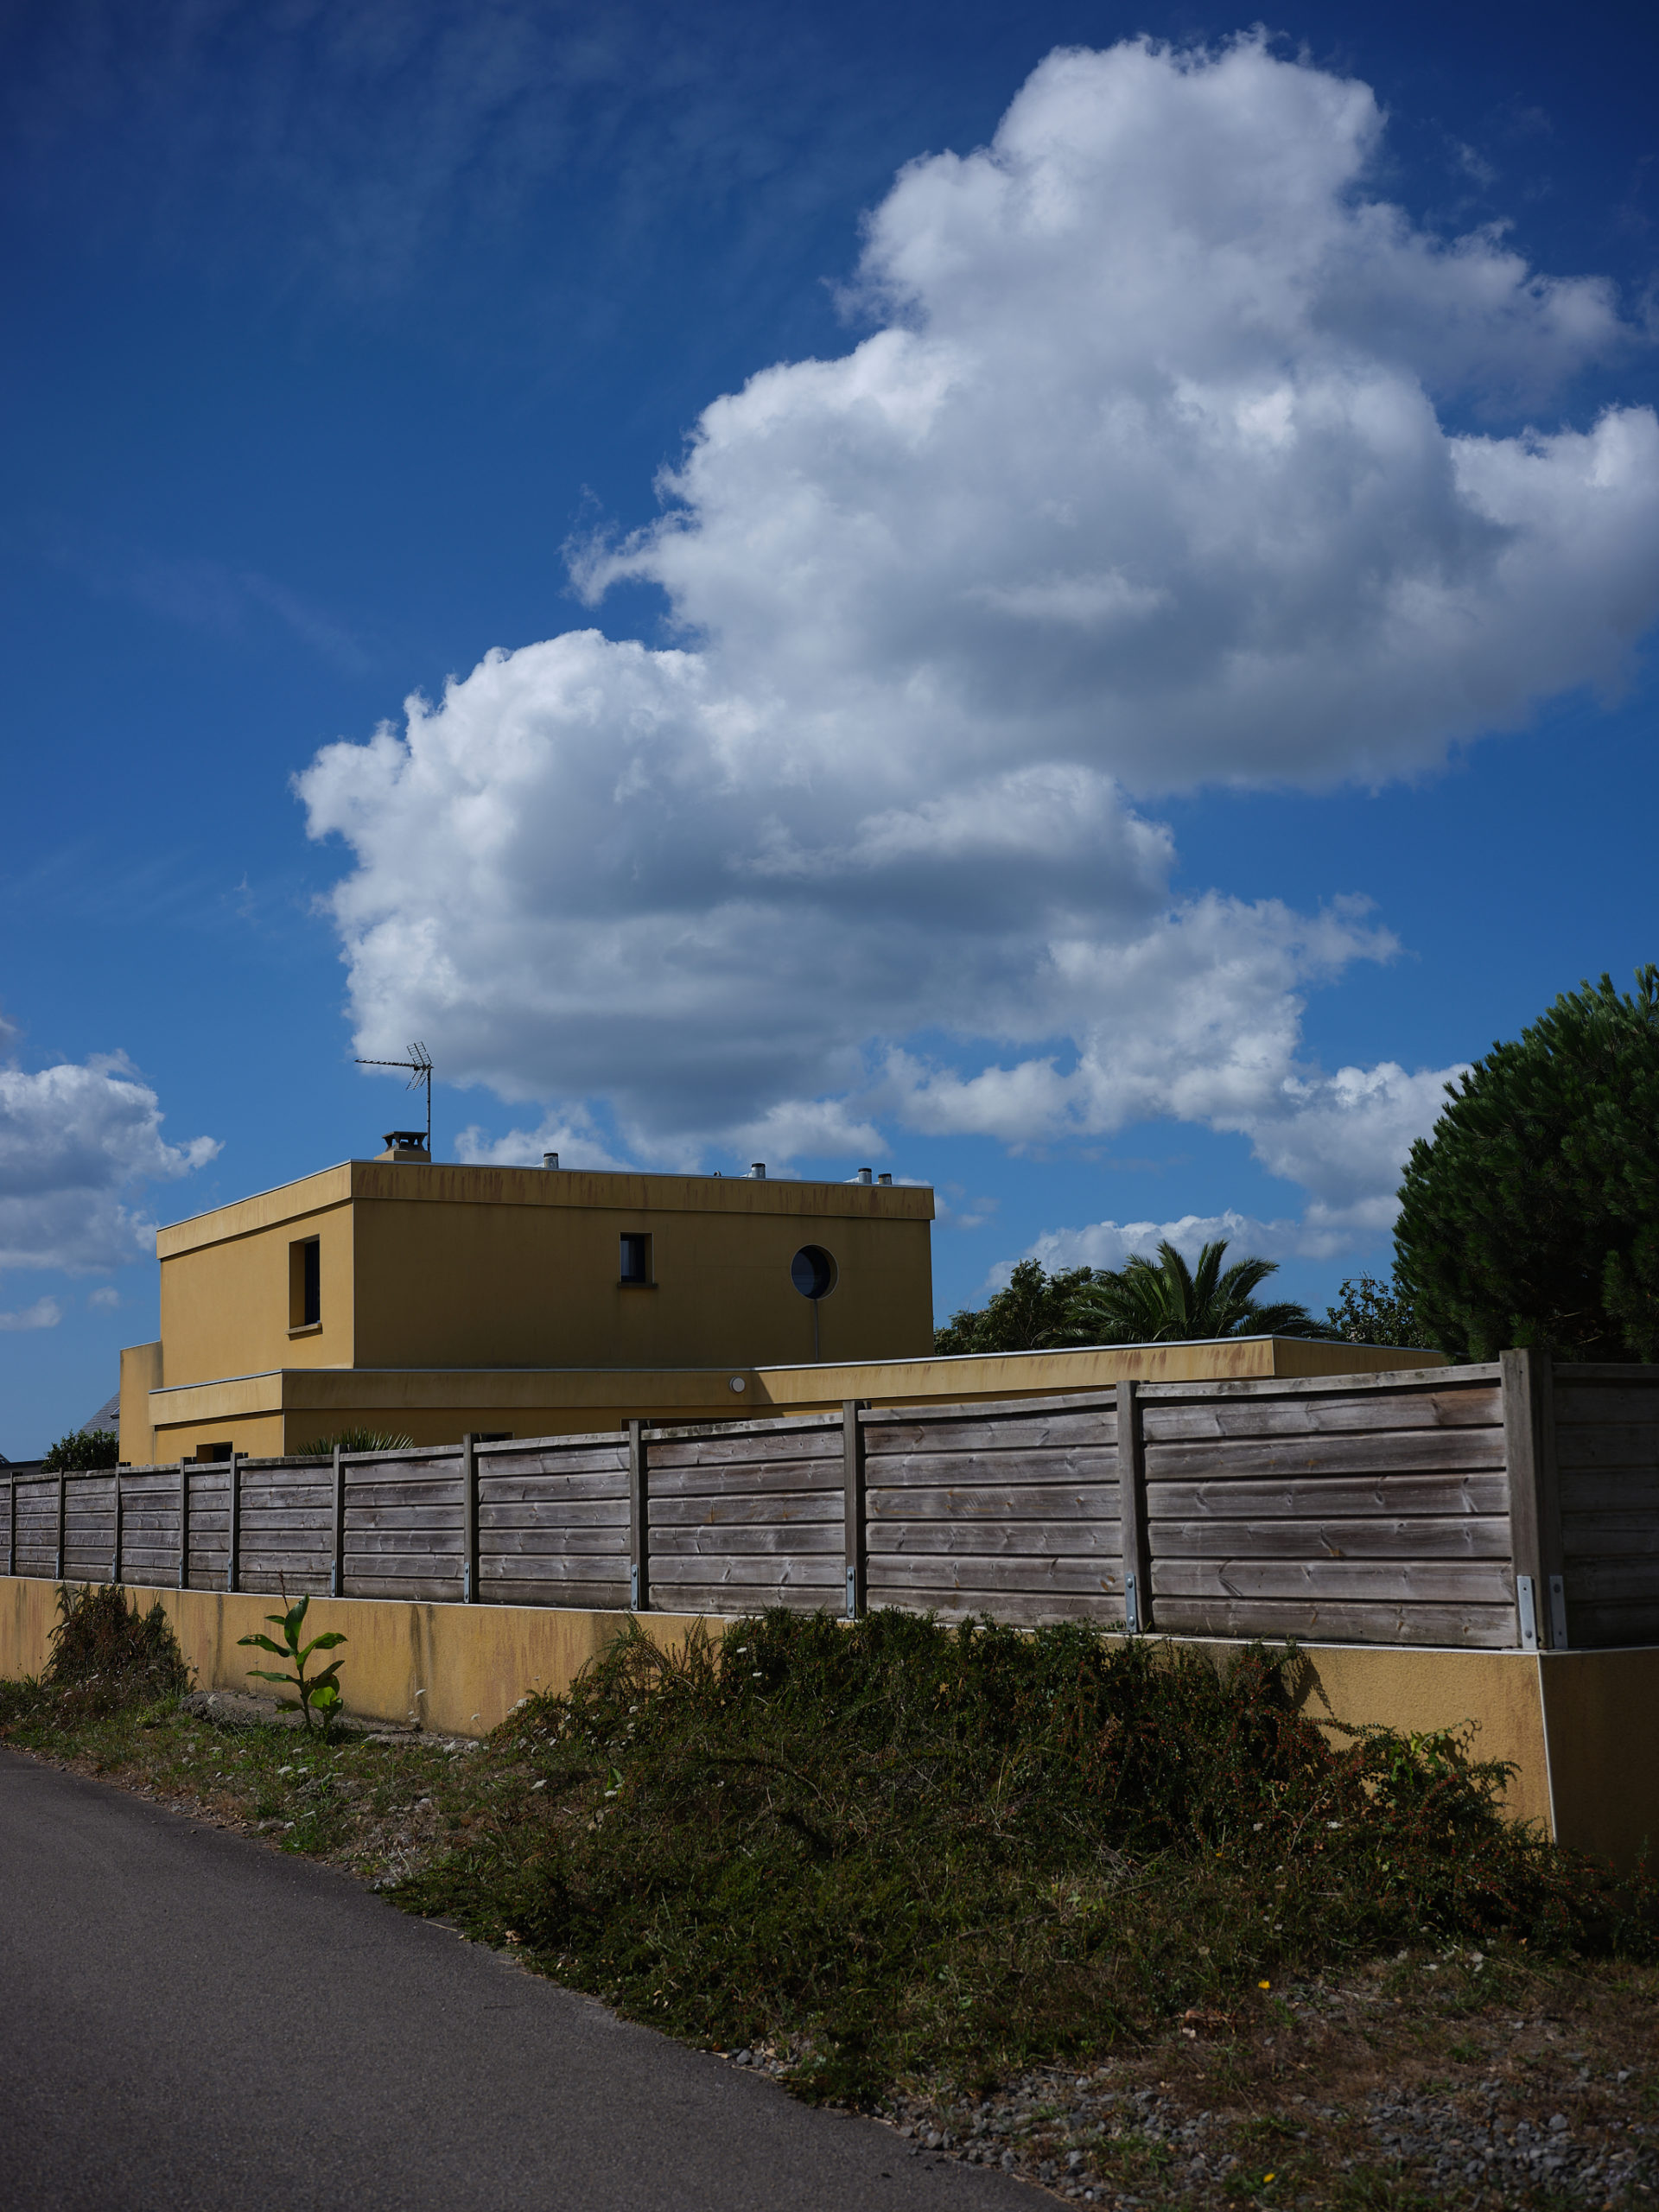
(433, 1299)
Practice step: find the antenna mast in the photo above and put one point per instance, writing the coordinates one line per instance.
(419, 1067)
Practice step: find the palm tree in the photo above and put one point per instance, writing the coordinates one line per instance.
(1171, 1303)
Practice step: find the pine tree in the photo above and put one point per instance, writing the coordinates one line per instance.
(1530, 1217)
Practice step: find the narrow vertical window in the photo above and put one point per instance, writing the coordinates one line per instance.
(636, 1259)
(305, 1284)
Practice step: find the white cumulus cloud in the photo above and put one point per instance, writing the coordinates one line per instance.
(44, 1313)
(78, 1142)
(1154, 471)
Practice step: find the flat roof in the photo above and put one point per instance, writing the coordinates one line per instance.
(613, 1189)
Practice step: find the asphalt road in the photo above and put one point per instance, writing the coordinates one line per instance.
(188, 2020)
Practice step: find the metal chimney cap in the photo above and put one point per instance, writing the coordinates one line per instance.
(864, 1175)
(885, 1181)
(758, 1171)
(549, 1159)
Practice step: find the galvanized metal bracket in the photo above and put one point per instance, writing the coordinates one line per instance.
(1558, 1636)
(1131, 1603)
(1525, 1606)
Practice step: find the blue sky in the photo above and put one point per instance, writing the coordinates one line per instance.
(1186, 638)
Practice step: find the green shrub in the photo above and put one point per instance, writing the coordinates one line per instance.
(107, 1654)
(899, 1845)
(355, 1439)
(82, 1452)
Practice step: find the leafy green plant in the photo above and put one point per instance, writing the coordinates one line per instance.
(1367, 1311)
(1026, 1315)
(83, 1450)
(355, 1439)
(318, 1692)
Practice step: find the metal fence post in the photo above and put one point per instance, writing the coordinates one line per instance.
(63, 1503)
(115, 1541)
(184, 1523)
(1132, 1511)
(638, 1521)
(337, 1572)
(855, 1543)
(469, 1519)
(234, 1560)
(11, 1524)
(1529, 1399)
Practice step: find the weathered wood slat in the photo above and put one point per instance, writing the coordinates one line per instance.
(1463, 1537)
(736, 1481)
(436, 1513)
(1345, 1497)
(774, 1447)
(1080, 1503)
(527, 1490)
(387, 1498)
(1030, 1574)
(996, 1539)
(1598, 1536)
(993, 1470)
(1376, 1413)
(1604, 1626)
(554, 1543)
(1405, 1451)
(1604, 1490)
(591, 1597)
(550, 1464)
(581, 1513)
(1579, 1403)
(1484, 1628)
(821, 1505)
(1622, 1444)
(1608, 1581)
(366, 1543)
(1406, 1582)
(1014, 1607)
(737, 1542)
(755, 1571)
(1313, 1386)
(553, 1569)
(980, 1432)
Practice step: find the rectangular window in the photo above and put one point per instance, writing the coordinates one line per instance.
(305, 1284)
(636, 1259)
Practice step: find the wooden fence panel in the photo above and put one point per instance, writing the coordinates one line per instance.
(1607, 1474)
(37, 1526)
(404, 1524)
(748, 1517)
(209, 1524)
(1373, 1514)
(88, 1528)
(286, 1525)
(149, 1528)
(553, 1522)
(1011, 1510)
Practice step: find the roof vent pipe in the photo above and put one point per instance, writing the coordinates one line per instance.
(885, 1181)
(549, 1159)
(758, 1171)
(864, 1175)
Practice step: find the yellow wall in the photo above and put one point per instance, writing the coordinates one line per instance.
(505, 1280)
(224, 1297)
(1586, 1721)
(446, 1267)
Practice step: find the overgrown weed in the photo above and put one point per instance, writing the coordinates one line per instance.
(895, 1849)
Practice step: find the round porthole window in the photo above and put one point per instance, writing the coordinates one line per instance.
(812, 1271)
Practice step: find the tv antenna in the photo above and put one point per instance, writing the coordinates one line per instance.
(419, 1067)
